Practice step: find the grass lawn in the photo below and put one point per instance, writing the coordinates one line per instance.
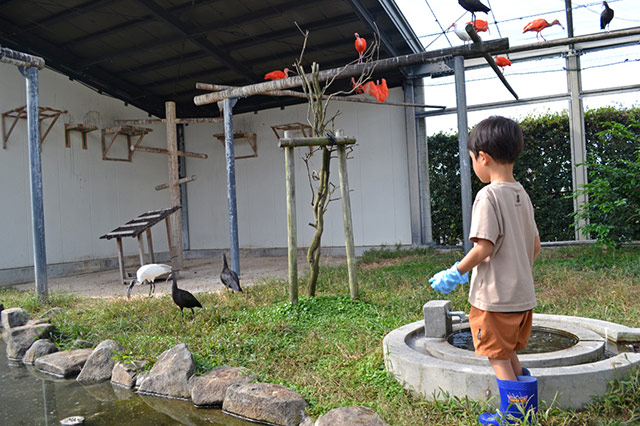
(329, 348)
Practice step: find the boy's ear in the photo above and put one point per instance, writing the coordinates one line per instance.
(483, 157)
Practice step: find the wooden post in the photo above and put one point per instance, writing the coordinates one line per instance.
(175, 231)
(123, 279)
(141, 250)
(150, 246)
(169, 240)
(346, 218)
(292, 228)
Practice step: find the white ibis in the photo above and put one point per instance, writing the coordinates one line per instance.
(606, 16)
(461, 33)
(473, 6)
(147, 274)
(183, 298)
(229, 277)
(538, 25)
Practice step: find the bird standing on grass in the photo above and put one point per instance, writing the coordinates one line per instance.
(606, 16)
(229, 277)
(183, 298)
(146, 274)
(473, 6)
(538, 25)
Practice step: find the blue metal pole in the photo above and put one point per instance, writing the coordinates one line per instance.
(35, 168)
(231, 184)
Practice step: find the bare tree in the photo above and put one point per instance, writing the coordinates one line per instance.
(318, 102)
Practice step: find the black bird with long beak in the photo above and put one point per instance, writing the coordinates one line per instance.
(229, 277)
(183, 298)
(473, 6)
(606, 16)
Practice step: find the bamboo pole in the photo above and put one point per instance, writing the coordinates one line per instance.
(294, 94)
(469, 51)
(151, 149)
(292, 228)
(346, 218)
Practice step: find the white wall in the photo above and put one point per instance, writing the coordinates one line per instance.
(86, 197)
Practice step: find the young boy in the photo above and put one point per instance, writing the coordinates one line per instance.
(502, 294)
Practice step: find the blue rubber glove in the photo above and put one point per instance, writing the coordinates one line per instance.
(447, 280)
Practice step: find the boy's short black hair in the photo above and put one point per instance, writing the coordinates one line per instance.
(500, 137)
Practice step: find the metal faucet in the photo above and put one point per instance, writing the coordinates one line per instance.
(460, 314)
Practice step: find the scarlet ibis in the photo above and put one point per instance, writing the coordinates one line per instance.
(473, 6)
(357, 88)
(183, 298)
(461, 33)
(229, 277)
(502, 62)
(479, 25)
(361, 46)
(370, 88)
(383, 91)
(277, 74)
(146, 274)
(538, 25)
(606, 16)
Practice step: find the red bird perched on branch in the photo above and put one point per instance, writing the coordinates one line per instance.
(361, 46)
(383, 91)
(538, 25)
(277, 74)
(479, 25)
(502, 62)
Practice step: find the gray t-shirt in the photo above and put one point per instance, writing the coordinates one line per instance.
(503, 282)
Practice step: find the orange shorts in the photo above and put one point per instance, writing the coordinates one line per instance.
(497, 335)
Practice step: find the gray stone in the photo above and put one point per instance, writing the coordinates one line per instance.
(209, 390)
(350, 416)
(125, 374)
(39, 348)
(52, 314)
(63, 364)
(170, 375)
(266, 402)
(140, 378)
(436, 321)
(308, 421)
(14, 317)
(100, 363)
(19, 339)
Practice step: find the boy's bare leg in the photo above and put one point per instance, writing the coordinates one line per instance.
(515, 364)
(503, 369)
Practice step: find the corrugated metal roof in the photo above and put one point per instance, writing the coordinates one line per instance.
(146, 52)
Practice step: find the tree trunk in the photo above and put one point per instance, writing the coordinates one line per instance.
(319, 206)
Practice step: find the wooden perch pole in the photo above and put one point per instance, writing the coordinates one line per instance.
(154, 150)
(492, 63)
(469, 51)
(294, 94)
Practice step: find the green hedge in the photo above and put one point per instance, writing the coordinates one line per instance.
(544, 169)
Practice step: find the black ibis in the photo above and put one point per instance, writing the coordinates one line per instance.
(183, 298)
(147, 274)
(606, 16)
(473, 6)
(229, 277)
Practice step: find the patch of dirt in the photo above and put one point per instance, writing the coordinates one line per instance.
(385, 262)
(197, 275)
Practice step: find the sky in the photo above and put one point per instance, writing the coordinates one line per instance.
(601, 69)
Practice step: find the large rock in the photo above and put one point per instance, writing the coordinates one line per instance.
(14, 317)
(63, 364)
(100, 363)
(170, 375)
(209, 390)
(350, 416)
(266, 402)
(19, 339)
(125, 374)
(38, 349)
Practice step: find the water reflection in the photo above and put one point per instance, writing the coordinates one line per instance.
(29, 397)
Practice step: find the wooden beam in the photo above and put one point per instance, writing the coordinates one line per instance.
(204, 120)
(154, 150)
(178, 182)
(295, 142)
(469, 51)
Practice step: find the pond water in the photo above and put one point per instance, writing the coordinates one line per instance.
(28, 397)
(541, 340)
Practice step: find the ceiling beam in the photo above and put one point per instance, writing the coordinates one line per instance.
(66, 14)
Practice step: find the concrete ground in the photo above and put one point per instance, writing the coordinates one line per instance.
(198, 275)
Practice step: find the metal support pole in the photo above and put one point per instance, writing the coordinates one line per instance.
(463, 136)
(292, 226)
(231, 184)
(412, 164)
(182, 173)
(577, 136)
(35, 168)
(423, 167)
